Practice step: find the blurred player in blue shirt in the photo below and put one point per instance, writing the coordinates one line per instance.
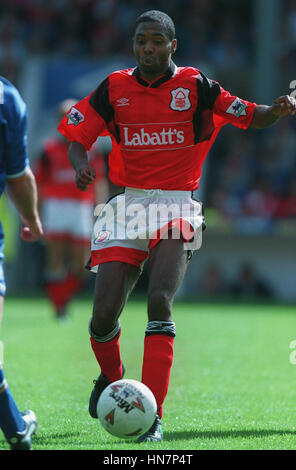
(18, 181)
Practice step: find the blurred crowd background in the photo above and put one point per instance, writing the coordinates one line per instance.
(249, 180)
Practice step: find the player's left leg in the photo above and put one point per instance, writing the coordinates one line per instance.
(167, 267)
(17, 427)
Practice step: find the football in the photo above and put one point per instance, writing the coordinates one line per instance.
(127, 408)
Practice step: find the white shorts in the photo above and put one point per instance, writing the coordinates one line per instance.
(67, 220)
(132, 223)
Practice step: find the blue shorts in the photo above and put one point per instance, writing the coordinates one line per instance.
(2, 278)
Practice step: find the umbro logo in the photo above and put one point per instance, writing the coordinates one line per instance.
(123, 102)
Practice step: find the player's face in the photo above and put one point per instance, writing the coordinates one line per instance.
(152, 49)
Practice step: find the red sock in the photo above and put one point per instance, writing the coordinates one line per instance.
(108, 357)
(60, 292)
(157, 363)
(72, 285)
(55, 292)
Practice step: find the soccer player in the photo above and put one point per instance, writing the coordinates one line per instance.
(163, 120)
(67, 216)
(16, 175)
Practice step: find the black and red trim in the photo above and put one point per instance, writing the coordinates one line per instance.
(100, 102)
(203, 124)
(159, 81)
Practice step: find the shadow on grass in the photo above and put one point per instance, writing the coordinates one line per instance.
(39, 438)
(244, 433)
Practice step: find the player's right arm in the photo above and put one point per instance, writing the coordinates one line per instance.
(82, 125)
(85, 173)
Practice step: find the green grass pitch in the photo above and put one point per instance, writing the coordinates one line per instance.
(233, 385)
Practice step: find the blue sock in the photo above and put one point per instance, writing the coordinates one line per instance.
(11, 420)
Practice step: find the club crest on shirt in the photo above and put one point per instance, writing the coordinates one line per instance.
(237, 108)
(180, 99)
(74, 116)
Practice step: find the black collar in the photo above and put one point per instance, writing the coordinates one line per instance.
(159, 81)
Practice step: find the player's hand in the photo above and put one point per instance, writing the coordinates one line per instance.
(284, 105)
(31, 231)
(85, 175)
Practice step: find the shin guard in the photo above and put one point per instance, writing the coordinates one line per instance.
(107, 352)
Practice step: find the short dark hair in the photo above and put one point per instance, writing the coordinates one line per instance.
(158, 17)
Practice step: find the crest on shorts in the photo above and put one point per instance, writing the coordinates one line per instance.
(102, 237)
(74, 116)
(180, 99)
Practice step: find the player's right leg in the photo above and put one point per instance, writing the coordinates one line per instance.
(114, 282)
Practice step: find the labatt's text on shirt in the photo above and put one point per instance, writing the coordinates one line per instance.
(169, 136)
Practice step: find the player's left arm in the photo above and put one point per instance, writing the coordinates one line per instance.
(265, 116)
(244, 114)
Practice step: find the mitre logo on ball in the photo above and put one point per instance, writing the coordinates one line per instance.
(180, 99)
(127, 409)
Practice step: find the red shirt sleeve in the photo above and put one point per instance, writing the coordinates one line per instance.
(83, 124)
(234, 110)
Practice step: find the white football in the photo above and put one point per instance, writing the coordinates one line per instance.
(127, 408)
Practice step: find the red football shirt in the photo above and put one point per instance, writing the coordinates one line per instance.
(55, 176)
(161, 131)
